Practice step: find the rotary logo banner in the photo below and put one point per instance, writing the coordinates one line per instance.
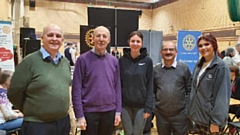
(187, 47)
(6, 46)
(86, 38)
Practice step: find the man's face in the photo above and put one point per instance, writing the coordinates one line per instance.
(101, 39)
(168, 52)
(52, 39)
(238, 49)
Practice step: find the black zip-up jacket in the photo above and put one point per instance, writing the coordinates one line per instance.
(137, 80)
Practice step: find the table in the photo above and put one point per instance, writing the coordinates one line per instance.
(233, 102)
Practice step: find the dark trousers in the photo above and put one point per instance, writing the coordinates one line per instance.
(166, 125)
(99, 123)
(59, 127)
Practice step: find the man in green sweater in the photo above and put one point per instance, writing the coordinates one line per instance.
(40, 87)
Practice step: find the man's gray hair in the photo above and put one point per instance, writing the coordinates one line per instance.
(237, 45)
(229, 50)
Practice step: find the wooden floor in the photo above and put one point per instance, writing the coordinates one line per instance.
(154, 131)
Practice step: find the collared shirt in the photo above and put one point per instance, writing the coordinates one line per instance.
(97, 52)
(45, 55)
(174, 64)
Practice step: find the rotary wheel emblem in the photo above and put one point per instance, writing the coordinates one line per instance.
(189, 42)
(6, 29)
(89, 38)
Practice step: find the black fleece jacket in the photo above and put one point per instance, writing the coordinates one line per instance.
(137, 80)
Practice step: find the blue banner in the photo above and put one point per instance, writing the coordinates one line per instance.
(6, 46)
(187, 47)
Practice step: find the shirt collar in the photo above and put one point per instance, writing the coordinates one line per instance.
(97, 52)
(174, 64)
(45, 54)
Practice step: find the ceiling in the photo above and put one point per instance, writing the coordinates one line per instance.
(142, 4)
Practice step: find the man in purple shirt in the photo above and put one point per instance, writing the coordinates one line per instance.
(96, 92)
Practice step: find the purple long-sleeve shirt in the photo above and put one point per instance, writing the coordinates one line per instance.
(96, 84)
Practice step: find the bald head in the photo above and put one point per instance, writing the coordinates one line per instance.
(101, 39)
(101, 28)
(50, 26)
(52, 39)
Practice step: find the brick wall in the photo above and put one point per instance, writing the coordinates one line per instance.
(5, 7)
(69, 16)
(182, 14)
(203, 15)
(192, 15)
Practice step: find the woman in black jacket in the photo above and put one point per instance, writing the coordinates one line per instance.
(136, 70)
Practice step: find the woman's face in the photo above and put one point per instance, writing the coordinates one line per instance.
(135, 43)
(232, 73)
(206, 50)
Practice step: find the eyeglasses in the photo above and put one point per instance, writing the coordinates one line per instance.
(168, 49)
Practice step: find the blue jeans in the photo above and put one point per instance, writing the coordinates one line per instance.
(11, 124)
(133, 121)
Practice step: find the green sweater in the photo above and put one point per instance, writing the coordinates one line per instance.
(40, 89)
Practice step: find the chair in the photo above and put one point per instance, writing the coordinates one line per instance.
(235, 125)
(192, 133)
(13, 131)
(232, 124)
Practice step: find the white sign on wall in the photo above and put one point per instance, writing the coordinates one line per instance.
(6, 46)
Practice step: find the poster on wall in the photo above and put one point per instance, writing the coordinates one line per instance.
(6, 46)
(187, 47)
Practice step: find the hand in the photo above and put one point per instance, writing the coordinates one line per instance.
(82, 124)
(146, 115)
(20, 115)
(117, 119)
(16, 111)
(214, 128)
